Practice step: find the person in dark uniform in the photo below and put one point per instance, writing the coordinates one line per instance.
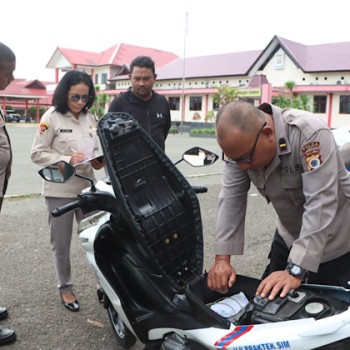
(149, 108)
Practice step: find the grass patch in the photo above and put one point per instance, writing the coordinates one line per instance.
(21, 196)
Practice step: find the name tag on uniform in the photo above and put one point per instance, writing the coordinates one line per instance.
(66, 130)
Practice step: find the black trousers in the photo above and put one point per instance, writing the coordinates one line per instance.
(334, 272)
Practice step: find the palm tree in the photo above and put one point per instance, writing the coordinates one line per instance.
(225, 94)
(298, 102)
(290, 86)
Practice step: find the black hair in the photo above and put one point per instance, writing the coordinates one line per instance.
(6, 54)
(144, 62)
(71, 78)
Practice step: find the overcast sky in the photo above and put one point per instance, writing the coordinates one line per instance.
(35, 28)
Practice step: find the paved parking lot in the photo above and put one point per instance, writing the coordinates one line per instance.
(27, 285)
(25, 179)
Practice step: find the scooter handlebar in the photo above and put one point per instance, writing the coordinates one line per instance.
(65, 208)
(200, 189)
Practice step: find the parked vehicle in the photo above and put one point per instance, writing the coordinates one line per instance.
(341, 135)
(144, 242)
(11, 117)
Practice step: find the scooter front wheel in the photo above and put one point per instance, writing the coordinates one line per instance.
(124, 337)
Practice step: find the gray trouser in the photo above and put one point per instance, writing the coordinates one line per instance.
(60, 237)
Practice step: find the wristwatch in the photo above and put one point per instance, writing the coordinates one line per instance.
(297, 271)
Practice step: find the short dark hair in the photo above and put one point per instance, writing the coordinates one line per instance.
(6, 54)
(144, 62)
(71, 78)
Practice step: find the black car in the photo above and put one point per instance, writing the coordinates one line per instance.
(13, 118)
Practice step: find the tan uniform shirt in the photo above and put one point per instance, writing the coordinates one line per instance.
(5, 157)
(57, 138)
(308, 186)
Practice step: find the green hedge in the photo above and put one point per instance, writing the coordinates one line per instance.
(203, 131)
(173, 131)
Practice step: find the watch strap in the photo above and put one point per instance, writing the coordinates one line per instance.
(297, 271)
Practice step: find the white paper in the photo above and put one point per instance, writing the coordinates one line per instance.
(88, 160)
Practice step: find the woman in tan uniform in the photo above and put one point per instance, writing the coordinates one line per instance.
(67, 132)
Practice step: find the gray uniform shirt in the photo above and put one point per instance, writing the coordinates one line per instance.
(308, 186)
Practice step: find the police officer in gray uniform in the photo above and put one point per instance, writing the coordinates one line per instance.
(7, 68)
(292, 159)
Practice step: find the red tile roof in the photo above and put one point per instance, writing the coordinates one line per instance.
(20, 87)
(118, 55)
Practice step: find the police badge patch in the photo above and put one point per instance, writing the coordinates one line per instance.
(312, 155)
(43, 127)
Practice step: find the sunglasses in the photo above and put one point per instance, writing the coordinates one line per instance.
(76, 98)
(247, 160)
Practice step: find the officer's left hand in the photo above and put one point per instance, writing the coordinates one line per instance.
(97, 164)
(278, 281)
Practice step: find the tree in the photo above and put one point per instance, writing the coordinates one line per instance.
(298, 102)
(225, 94)
(98, 108)
(210, 116)
(32, 111)
(290, 86)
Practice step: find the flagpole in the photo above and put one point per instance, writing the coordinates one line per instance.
(183, 75)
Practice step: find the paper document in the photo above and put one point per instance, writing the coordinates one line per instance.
(99, 158)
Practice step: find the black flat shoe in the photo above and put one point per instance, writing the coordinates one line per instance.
(3, 313)
(7, 336)
(74, 307)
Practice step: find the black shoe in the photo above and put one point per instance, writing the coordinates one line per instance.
(3, 313)
(71, 306)
(100, 295)
(7, 336)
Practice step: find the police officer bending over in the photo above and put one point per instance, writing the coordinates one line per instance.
(292, 159)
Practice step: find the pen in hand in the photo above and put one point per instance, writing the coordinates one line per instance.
(77, 157)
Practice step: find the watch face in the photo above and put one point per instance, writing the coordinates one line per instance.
(295, 270)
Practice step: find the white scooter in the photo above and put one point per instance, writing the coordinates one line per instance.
(144, 241)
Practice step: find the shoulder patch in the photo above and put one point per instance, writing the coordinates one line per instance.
(43, 127)
(312, 155)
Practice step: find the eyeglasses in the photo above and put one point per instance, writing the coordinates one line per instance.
(247, 160)
(76, 98)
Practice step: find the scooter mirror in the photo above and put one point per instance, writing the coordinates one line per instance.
(59, 172)
(198, 156)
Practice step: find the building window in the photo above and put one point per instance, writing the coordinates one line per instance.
(96, 78)
(279, 60)
(174, 103)
(104, 78)
(196, 103)
(320, 104)
(344, 105)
